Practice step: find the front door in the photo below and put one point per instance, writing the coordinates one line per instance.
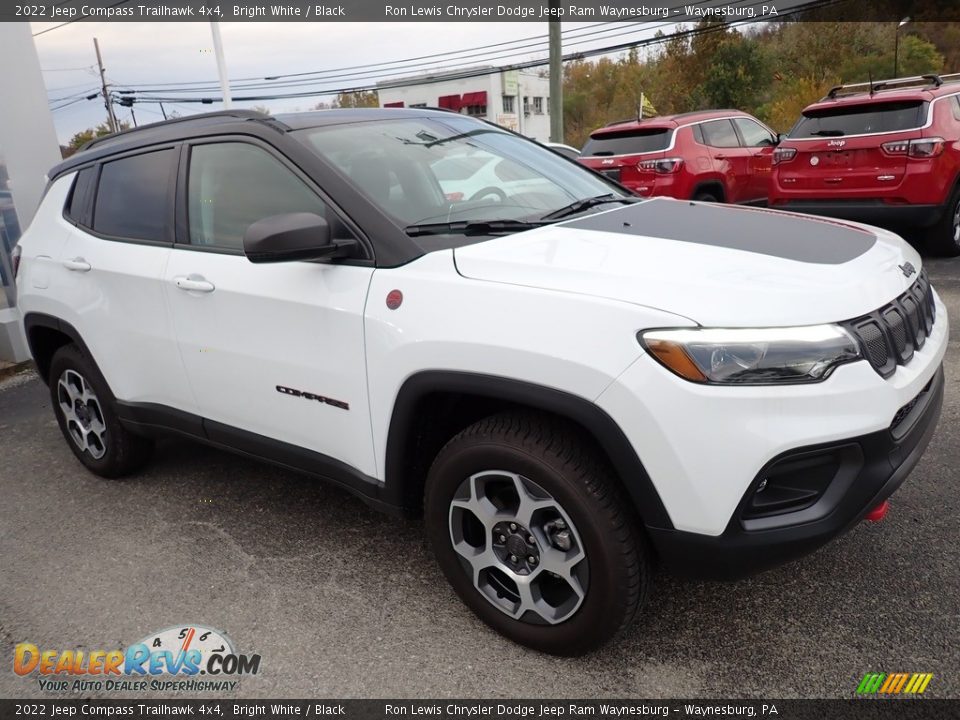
(274, 352)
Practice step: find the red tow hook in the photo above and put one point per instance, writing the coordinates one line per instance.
(878, 513)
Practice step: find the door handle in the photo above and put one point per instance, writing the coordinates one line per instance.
(194, 283)
(77, 264)
(720, 156)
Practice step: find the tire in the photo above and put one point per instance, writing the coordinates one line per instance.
(943, 238)
(706, 196)
(87, 416)
(483, 471)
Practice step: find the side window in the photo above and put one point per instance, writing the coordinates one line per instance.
(698, 134)
(955, 106)
(79, 206)
(754, 135)
(133, 198)
(232, 185)
(720, 133)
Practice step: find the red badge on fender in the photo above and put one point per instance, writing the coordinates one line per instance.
(394, 299)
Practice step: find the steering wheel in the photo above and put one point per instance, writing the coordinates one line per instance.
(489, 192)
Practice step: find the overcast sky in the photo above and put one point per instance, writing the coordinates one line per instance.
(181, 52)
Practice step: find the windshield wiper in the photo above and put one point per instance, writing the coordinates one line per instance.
(472, 227)
(578, 206)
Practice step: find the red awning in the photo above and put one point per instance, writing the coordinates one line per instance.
(450, 102)
(394, 104)
(474, 98)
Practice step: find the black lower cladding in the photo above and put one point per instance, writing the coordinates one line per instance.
(866, 471)
(874, 212)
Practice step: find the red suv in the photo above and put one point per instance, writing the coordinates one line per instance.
(886, 153)
(714, 155)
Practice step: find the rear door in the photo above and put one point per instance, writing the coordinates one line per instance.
(759, 141)
(730, 159)
(840, 148)
(112, 275)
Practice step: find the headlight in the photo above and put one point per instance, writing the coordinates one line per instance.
(746, 356)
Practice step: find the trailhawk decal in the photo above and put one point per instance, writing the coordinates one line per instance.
(312, 396)
(769, 232)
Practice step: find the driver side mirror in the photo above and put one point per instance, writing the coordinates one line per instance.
(293, 236)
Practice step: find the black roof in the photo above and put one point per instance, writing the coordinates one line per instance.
(223, 122)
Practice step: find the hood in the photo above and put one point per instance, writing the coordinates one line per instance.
(714, 264)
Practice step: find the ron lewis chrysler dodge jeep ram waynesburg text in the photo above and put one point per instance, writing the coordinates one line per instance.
(572, 383)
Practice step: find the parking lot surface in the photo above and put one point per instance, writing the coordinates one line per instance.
(341, 601)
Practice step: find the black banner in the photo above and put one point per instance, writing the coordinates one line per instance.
(66, 11)
(485, 709)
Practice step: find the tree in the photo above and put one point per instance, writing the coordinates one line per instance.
(84, 136)
(737, 76)
(358, 99)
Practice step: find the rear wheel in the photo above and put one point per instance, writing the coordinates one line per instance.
(944, 237)
(530, 528)
(707, 196)
(86, 413)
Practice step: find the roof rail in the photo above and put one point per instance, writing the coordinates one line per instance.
(238, 114)
(871, 87)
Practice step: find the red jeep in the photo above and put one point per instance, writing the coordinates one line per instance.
(714, 155)
(885, 153)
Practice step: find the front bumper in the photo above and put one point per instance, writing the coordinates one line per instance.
(869, 469)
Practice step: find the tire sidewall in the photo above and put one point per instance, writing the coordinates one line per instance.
(599, 616)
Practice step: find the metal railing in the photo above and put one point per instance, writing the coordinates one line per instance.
(874, 86)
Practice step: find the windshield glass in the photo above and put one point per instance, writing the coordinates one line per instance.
(444, 170)
(628, 143)
(860, 119)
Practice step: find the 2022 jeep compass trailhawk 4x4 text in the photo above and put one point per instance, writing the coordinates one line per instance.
(570, 382)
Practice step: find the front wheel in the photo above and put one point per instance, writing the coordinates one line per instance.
(530, 528)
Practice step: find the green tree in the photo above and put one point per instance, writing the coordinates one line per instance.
(84, 136)
(738, 74)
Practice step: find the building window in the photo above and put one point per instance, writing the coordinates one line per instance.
(418, 105)
(477, 110)
(538, 105)
(509, 104)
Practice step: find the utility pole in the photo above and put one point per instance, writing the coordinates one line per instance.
(556, 77)
(221, 64)
(111, 118)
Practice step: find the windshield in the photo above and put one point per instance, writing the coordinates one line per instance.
(860, 119)
(453, 170)
(628, 143)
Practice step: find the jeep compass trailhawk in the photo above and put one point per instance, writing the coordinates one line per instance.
(570, 383)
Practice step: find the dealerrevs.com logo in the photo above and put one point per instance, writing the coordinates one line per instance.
(894, 683)
(181, 658)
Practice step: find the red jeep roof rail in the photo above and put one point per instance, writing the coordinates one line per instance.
(922, 81)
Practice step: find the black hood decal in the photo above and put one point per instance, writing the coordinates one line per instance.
(791, 237)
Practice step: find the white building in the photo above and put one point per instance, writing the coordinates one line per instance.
(497, 97)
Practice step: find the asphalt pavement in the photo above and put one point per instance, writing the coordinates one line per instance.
(341, 601)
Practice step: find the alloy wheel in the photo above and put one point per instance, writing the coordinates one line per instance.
(82, 413)
(519, 546)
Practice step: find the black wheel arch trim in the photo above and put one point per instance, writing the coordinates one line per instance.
(35, 320)
(585, 413)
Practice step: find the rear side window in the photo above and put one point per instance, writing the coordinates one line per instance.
(754, 135)
(861, 119)
(628, 142)
(79, 208)
(133, 197)
(720, 133)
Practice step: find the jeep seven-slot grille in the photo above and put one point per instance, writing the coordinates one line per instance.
(889, 335)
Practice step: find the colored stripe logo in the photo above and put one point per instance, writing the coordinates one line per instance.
(894, 683)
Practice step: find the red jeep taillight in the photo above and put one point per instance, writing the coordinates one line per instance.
(782, 155)
(918, 148)
(15, 258)
(664, 166)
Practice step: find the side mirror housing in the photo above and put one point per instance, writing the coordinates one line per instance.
(781, 137)
(293, 236)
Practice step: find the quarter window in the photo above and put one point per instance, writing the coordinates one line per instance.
(720, 133)
(233, 185)
(133, 197)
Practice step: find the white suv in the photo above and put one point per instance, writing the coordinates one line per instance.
(571, 383)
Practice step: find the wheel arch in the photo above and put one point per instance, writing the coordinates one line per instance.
(714, 184)
(411, 447)
(45, 335)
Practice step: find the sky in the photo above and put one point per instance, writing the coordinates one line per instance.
(181, 52)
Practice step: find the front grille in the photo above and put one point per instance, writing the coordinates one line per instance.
(889, 335)
(613, 174)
